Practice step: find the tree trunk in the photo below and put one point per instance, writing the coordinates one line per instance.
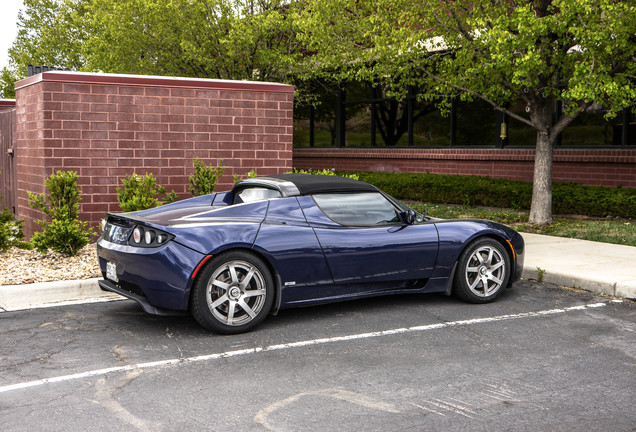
(541, 207)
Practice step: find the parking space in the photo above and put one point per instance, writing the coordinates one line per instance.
(539, 358)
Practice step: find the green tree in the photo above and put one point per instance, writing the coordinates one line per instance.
(51, 33)
(224, 39)
(7, 83)
(535, 52)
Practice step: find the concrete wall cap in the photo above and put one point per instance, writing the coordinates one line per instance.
(152, 81)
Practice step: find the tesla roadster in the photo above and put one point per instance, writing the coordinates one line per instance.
(282, 241)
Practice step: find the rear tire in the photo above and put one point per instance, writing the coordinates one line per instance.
(483, 271)
(233, 294)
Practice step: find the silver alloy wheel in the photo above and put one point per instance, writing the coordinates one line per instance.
(236, 292)
(486, 271)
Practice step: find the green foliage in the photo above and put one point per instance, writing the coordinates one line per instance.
(250, 174)
(569, 198)
(517, 56)
(50, 33)
(62, 201)
(606, 230)
(7, 83)
(324, 172)
(64, 233)
(245, 40)
(64, 236)
(540, 274)
(223, 39)
(204, 178)
(141, 193)
(503, 52)
(11, 233)
(609, 230)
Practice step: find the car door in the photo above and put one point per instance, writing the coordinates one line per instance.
(366, 246)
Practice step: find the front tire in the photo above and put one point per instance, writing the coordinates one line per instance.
(233, 294)
(483, 271)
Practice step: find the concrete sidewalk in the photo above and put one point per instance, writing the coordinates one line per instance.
(598, 267)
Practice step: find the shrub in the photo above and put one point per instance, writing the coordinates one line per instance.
(11, 233)
(141, 193)
(250, 174)
(63, 236)
(65, 233)
(204, 178)
(567, 198)
(324, 172)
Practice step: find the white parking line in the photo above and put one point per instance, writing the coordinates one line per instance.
(298, 344)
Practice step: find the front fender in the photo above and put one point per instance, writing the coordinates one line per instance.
(456, 235)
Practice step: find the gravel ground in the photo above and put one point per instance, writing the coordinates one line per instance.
(23, 266)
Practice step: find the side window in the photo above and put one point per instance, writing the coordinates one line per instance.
(357, 209)
(251, 194)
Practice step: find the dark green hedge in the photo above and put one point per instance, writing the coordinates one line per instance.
(567, 198)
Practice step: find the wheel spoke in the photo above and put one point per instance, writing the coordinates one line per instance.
(484, 282)
(230, 312)
(472, 269)
(219, 301)
(490, 254)
(222, 285)
(254, 293)
(246, 308)
(496, 266)
(475, 283)
(247, 278)
(233, 274)
(479, 258)
(496, 280)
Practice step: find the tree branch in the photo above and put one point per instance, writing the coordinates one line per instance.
(482, 97)
(566, 119)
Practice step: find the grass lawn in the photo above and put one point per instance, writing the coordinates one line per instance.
(617, 231)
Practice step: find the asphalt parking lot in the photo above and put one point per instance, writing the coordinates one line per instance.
(541, 358)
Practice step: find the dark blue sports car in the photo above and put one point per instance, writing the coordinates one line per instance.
(282, 241)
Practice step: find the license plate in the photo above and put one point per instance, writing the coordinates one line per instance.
(111, 271)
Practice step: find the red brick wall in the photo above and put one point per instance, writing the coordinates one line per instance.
(593, 167)
(105, 127)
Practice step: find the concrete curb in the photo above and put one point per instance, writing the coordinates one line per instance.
(597, 267)
(44, 294)
(624, 289)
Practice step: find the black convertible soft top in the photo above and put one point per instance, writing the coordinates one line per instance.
(308, 184)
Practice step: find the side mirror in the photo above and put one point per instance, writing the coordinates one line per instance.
(407, 217)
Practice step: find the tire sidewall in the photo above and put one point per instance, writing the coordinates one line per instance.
(200, 309)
